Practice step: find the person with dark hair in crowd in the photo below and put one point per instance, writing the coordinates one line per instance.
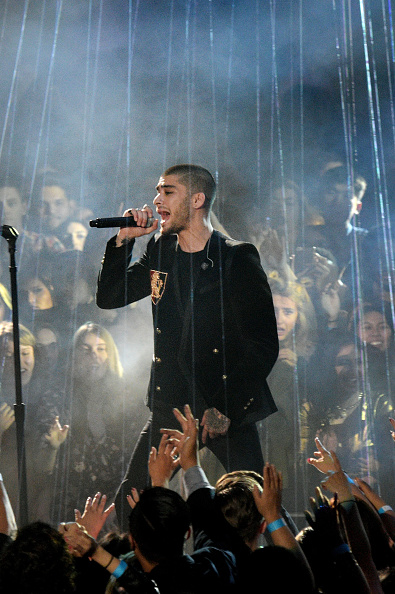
(285, 210)
(372, 323)
(51, 354)
(43, 432)
(40, 302)
(243, 506)
(59, 220)
(214, 323)
(98, 408)
(13, 206)
(158, 524)
(346, 414)
(337, 200)
(37, 562)
(54, 205)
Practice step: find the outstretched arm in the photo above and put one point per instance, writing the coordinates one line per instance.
(337, 482)
(387, 514)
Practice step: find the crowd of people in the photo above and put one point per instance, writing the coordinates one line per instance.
(332, 384)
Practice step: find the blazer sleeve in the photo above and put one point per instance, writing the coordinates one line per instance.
(120, 283)
(253, 331)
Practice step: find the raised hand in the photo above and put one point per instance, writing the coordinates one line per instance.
(162, 462)
(140, 215)
(323, 518)
(78, 541)
(94, 515)
(57, 434)
(268, 499)
(185, 442)
(133, 498)
(323, 460)
(337, 481)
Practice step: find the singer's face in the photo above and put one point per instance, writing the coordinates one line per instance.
(12, 208)
(173, 204)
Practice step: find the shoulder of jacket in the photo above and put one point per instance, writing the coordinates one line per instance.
(162, 241)
(233, 244)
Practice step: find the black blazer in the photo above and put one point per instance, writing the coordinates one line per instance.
(222, 341)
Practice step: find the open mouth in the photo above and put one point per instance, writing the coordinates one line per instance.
(164, 214)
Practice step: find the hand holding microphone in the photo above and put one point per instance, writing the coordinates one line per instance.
(142, 223)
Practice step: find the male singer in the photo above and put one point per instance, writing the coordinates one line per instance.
(215, 335)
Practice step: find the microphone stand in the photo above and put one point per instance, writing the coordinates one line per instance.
(11, 235)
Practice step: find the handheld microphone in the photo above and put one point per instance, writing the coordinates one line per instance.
(118, 222)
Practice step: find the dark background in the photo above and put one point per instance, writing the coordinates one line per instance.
(111, 92)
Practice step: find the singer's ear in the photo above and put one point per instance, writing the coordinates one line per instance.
(198, 200)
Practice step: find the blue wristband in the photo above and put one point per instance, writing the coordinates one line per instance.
(350, 480)
(341, 549)
(120, 570)
(384, 509)
(275, 525)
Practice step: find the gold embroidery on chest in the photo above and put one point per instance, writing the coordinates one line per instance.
(158, 285)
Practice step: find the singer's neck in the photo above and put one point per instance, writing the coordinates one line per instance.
(195, 237)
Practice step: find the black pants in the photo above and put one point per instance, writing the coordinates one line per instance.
(240, 449)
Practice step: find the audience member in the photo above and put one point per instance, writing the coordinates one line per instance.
(158, 523)
(98, 407)
(373, 325)
(13, 207)
(348, 417)
(43, 432)
(242, 506)
(40, 301)
(366, 519)
(51, 355)
(296, 332)
(37, 562)
(337, 200)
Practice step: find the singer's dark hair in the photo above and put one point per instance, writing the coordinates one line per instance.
(196, 179)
